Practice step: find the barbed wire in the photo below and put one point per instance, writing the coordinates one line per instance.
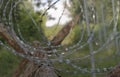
(60, 53)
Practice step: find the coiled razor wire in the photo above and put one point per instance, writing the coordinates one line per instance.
(60, 53)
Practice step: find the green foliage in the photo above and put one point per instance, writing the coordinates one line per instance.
(27, 23)
(8, 63)
(27, 28)
(50, 32)
(4, 10)
(108, 56)
(118, 26)
(21, 20)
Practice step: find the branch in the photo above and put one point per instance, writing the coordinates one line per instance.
(21, 67)
(64, 31)
(12, 42)
(7, 35)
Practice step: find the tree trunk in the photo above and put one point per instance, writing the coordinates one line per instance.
(35, 70)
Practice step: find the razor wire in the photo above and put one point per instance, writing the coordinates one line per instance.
(59, 53)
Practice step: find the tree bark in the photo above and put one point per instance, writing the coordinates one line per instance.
(115, 72)
(9, 39)
(35, 70)
(64, 31)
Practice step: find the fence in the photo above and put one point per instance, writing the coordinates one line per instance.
(98, 37)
